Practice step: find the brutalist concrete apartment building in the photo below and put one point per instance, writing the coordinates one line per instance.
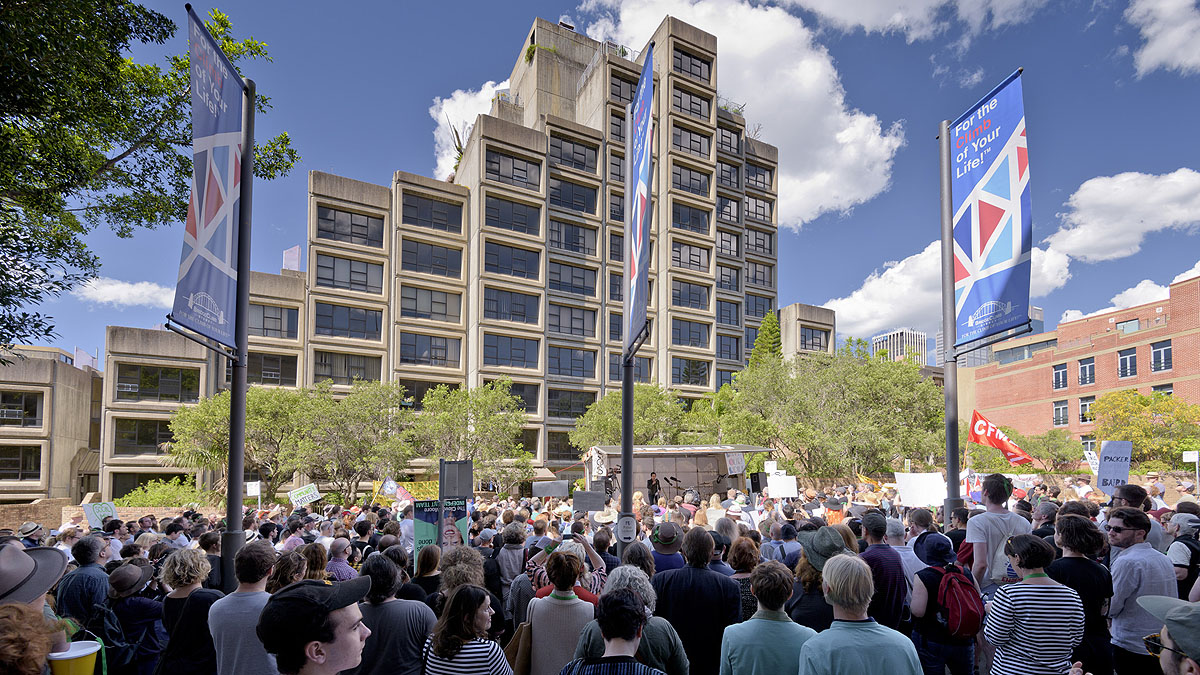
(514, 266)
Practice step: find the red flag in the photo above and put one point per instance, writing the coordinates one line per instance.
(984, 432)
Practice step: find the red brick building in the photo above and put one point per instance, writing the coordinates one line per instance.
(1045, 381)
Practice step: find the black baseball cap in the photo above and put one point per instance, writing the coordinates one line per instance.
(295, 614)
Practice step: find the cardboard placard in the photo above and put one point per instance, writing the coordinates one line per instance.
(306, 494)
(1114, 465)
(96, 513)
(782, 486)
(921, 489)
(1093, 461)
(253, 488)
(551, 488)
(588, 501)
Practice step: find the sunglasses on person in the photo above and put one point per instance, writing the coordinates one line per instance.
(1155, 646)
(1117, 528)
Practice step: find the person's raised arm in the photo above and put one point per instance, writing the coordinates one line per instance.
(593, 557)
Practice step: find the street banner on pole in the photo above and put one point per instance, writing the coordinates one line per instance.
(637, 235)
(206, 289)
(993, 225)
(984, 432)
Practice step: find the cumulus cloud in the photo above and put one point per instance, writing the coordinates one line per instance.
(921, 19)
(1171, 33)
(1109, 216)
(122, 294)
(458, 111)
(1194, 272)
(1143, 292)
(832, 157)
(1049, 271)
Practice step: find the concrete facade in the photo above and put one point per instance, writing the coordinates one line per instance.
(902, 343)
(807, 329)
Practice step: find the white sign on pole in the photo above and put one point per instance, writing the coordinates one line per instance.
(253, 488)
(735, 463)
(921, 489)
(782, 486)
(304, 495)
(1093, 461)
(96, 513)
(1191, 456)
(1114, 465)
(626, 529)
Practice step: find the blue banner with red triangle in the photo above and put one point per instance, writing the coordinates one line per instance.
(993, 223)
(637, 239)
(206, 289)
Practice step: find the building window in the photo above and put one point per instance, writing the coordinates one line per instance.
(729, 313)
(1087, 371)
(724, 377)
(1089, 443)
(528, 393)
(689, 257)
(345, 368)
(759, 209)
(760, 274)
(429, 350)
(569, 362)
(20, 462)
(691, 104)
(757, 306)
(430, 259)
(565, 403)
(641, 368)
(415, 390)
(727, 175)
(432, 213)
(141, 437)
(505, 215)
(1085, 409)
(1160, 356)
(684, 294)
(1060, 376)
(20, 409)
(616, 247)
(423, 303)
(274, 322)
(727, 278)
(616, 169)
(758, 177)
(689, 371)
(502, 350)
(353, 228)
(1127, 362)
(729, 347)
(615, 327)
(570, 320)
(761, 242)
(574, 238)
(349, 322)
(729, 140)
(513, 170)
(351, 275)
(689, 180)
(622, 89)
(510, 306)
(514, 262)
(814, 339)
(690, 64)
(154, 383)
(616, 127)
(616, 207)
(616, 287)
(751, 336)
(1060, 413)
(688, 218)
(572, 196)
(689, 333)
(573, 154)
(275, 370)
(571, 279)
(1130, 326)
(692, 142)
(728, 244)
(1165, 389)
(559, 448)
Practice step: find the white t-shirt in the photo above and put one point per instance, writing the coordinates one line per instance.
(994, 529)
(1180, 554)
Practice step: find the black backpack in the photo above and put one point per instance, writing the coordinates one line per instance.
(118, 654)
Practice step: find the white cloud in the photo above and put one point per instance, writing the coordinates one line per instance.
(1143, 292)
(832, 157)
(1050, 270)
(458, 111)
(1194, 272)
(970, 78)
(121, 294)
(921, 19)
(1171, 30)
(1109, 216)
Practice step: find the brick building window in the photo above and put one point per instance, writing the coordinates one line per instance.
(1160, 356)
(1127, 362)
(1165, 389)
(1085, 409)
(1087, 371)
(1060, 376)
(1060, 413)
(1089, 443)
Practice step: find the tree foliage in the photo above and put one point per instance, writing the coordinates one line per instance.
(1158, 425)
(718, 418)
(88, 138)
(1054, 451)
(179, 491)
(657, 419)
(768, 344)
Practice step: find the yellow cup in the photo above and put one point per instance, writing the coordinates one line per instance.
(79, 659)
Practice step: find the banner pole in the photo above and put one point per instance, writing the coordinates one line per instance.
(627, 356)
(949, 330)
(233, 538)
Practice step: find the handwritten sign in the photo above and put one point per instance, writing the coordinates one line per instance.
(1093, 461)
(1114, 465)
(304, 495)
(96, 513)
(253, 488)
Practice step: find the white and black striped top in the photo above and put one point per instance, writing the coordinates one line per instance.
(1034, 628)
(477, 657)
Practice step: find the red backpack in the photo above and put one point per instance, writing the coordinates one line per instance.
(962, 608)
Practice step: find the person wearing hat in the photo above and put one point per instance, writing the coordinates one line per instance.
(1184, 550)
(26, 575)
(315, 627)
(807, 605)
(721, 544)
(936, 648)
(699, 602)
(31, 534)
(140, 616)
(666, 539)
(887, 571)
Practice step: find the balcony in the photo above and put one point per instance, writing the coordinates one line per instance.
(1060, 420)
(1087, 379)
(1127, 371)
(1160, 364)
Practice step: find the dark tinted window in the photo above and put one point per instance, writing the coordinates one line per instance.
(345, 368)
(418, 256)
(689, 333)
(758, 208)
(351, 322)
(515, 262)
(757, 306)
(622, 89)
(727, 244)
(571, 279)
(510, 306)
(760, 274)
(684, 294)
(729, 313)
(573, 196)
(575, 238)
(729, 347)
(352, 275)
(727, 278)
(689, 141)
(689, 257)
(153, 383)
(758, 177)
(758, 241)
(570, 320)
(727, 209)
(729, 140)
(506, 215)
(691, 104)
(513, 170)
(689, 180)
(269, 369)
(690, 64)
(641, 368)
(432, 213)
(727, 175)
(574, 154)
(429, 350)
(688, 218)
(564, 403)
(141, 437)
(415, 390)
(271, 321)
(689, 371)
(353, 228)
(423, 303)
(502, 350)
(570, 362)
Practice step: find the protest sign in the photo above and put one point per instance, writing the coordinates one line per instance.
(588, 501)
(921, 489)
(304, 495)
(96, 513)
(1114, 465)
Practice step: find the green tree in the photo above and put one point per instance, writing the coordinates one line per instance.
(481, 424)
(657, 419)
(89, 137)
(180, 491)
(717, 418)
(275, 433)
(768, 342)
(1157, 424)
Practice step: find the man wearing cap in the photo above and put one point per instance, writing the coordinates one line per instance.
(315, 627)
(30, 534)
(666, 540)
(87, 585)
(1187, 491)
(698, 602)
(887, 572)
(1184, 551)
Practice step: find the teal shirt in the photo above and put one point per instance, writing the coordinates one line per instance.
(857, 647)
(767, 644)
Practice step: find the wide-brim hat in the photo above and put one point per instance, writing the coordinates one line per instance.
(821, 544)
(27, 574)
(872, 498)
(128, 579)
(667, 538)
(28, 528)
(606, 516)
(734, 509)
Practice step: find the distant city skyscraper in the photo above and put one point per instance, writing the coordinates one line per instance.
(901, 343)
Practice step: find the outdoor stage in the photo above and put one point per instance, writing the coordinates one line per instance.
(707, 469)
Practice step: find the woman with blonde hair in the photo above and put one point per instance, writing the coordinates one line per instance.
(147, 540)
(848, 537)
(67, 539)
(317, 558)
(714, 512)
(701, 519)
(185, 614)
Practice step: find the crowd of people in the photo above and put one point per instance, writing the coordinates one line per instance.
(838, 581)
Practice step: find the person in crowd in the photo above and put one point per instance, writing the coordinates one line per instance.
(699, 602)
(210, 544)
(621, 621)
(666, 540)
(406, 528)
(511, 558)
(1035, 623)
(67, 538)
(463, 565)
(407, 589)
(315, 627)
(660, 647)
(936, 647)
(592, 582)
(987, 533)
(232, 619)
(1139, 570)
(459, 644)
(25, 639)
(31, 534)
(887, 572)
(558, 619)
(1044, 515)
(185, 615)
(958, 527)
(1184, 550)
(743, 558)
(897, 538)
(641, 558)
(428, 574)
(317, 560)
(855, 644)
(26, 576)
(87, 585)
(140, 616)
(175, 537)
(362, 538)
(721, 544)
(292, 538)
(769, 642)
(921, 527)
(1080, 540)
(325, 536)
(399, 628)
(338, 568)
(848, 537)
(807, 605)
(290, 567)
(1134, 496)
(601, 541)
(1177, 644)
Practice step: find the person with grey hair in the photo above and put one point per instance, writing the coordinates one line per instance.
(908, 557)
(660, 647)
(1184, 550)
(729, 528)
(1044, 515)
(511, 558)
(325, 538)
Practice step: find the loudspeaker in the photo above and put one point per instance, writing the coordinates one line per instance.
(758, 481)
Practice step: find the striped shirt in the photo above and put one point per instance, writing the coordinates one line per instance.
(477, 657)
(1034, 628)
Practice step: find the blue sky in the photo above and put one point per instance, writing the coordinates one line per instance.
(851, 92)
